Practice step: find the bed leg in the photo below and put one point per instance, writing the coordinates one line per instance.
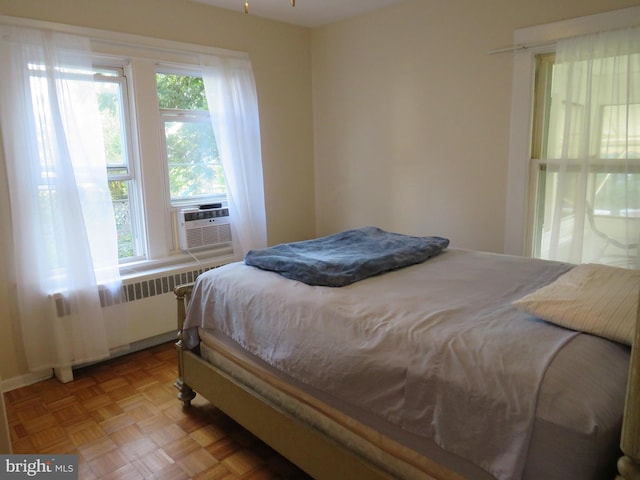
(629, 469)
(185, 392)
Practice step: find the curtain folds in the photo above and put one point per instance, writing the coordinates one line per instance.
(233, 106)
(64, 232)
(592, 176)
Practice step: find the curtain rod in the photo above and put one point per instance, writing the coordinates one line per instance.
(519, 47)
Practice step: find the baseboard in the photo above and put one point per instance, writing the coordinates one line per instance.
(27, 379)
(30, 378)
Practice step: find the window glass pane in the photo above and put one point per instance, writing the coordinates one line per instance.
(124, 225)
(109, 86)
(47, 199)
(620, 132)
(194, 167)
(615, 193)
(561, 140)
(110, 105)
(181, 92)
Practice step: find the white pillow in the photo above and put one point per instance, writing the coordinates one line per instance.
(597, 299)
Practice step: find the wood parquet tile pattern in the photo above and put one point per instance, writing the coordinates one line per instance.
(123, 420)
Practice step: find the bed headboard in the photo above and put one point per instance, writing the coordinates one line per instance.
(629, 465)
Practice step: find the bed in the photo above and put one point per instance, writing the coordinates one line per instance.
(448, 364)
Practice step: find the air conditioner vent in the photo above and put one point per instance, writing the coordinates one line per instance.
(203, 228)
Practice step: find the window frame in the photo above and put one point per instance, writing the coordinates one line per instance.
(131, 162)
(196, 116)
(160, 215)
(107, 72)
(521, 174)
(158, 218)
(601, 168)
(185, 116)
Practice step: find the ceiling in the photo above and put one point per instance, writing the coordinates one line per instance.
(307, 13)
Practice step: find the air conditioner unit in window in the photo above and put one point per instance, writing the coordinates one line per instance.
(203, 227)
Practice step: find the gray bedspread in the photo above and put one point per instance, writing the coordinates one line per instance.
(435, 348)
(346, 257)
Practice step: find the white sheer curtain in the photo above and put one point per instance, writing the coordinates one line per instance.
(63, 225)
(592, 190)
(233, 105)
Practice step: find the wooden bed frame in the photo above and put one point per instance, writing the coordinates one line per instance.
(321, 455)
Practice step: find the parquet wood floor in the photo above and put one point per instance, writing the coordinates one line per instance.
(123, 420)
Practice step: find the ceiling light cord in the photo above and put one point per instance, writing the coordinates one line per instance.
(246, 5)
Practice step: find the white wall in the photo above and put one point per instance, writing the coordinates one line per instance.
(411, 115)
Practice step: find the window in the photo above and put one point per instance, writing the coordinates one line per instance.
(193, 165)
(523, 200)
(119, 138)
(82, 132)
(145, 195)
(111, 87)
(586, 161)
(193, 169)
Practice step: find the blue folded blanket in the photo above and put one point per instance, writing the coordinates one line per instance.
(346, 257)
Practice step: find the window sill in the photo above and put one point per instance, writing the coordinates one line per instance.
(147, 269)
